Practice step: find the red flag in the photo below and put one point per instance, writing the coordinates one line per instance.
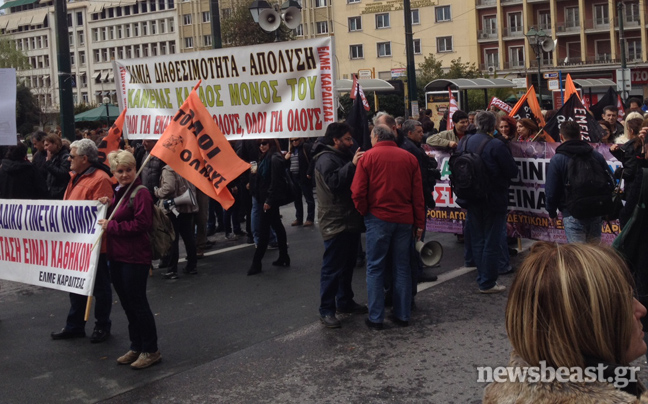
(621, 109)
(194, 146)
(111, 141)
(356, 88)
(452, 108)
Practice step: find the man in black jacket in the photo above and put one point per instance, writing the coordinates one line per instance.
(299, 157)
(339, 222)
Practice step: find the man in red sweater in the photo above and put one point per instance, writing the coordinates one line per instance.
(388, 192)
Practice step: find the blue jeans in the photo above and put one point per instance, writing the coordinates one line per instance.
(485, 227)
(231, 219)
(257, 209)
(504, 262)
(384, 237)
(583, 230)
(337, 272)
(129, 281)
(103, 301)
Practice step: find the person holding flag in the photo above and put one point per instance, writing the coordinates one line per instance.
(450, 138)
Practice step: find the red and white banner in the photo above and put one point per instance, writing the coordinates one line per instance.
(452, 108)
(356, 89)
(496, 102)
(50, 243)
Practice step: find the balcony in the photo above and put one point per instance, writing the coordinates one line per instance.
(489, 66)
(487, 34)
(507, 2)
(516, 64)
(486, 3)
(546, 26)
(598, 24)
(515, 32)
(568, 27)
(543, 62)
(570, 61)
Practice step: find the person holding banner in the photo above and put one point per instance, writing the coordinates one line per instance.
(270, 185)
(130, 254)
(57, 166)
(89, 181)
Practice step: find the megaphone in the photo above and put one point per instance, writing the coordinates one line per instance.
(430, 252)
(548, 45)
(269, 20)
(292, 17)
(187, 198)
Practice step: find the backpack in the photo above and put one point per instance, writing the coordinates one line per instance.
(589, 188)
(162, 233)
(468, 175)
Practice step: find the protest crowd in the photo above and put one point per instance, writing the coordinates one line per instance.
(383, 187)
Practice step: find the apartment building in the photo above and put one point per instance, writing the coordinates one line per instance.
(586, 35)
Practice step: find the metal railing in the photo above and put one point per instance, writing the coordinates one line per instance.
(514, 32)
(487, 34)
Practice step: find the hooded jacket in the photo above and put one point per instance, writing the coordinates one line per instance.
(21, 180)
(58, 174)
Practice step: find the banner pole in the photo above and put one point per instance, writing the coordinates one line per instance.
(88, 306)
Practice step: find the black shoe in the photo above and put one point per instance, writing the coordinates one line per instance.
(427, 278)
(171, 275)
(99, 336)
(191, 270)
(282, 262)
(254, 269)
(250, 239)
(207, 245)
(398, 321)
(273, 246)
(211, 231)
(66, 334)
(330, 321)
(372, 325)
(355, 308)
(240, 233)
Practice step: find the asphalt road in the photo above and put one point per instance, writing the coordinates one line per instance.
(229, 338)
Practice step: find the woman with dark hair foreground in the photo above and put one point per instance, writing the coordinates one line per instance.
(571, 311)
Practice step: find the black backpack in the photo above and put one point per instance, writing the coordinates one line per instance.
(468, 175)
(590, 187)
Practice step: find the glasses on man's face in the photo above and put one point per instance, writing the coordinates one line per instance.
(71, 157)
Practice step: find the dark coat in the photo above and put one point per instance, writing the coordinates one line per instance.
(21, 180)
(58, 174)
(304, 156)
(334, 171)
(270, 185)
(427, 164)
(557, 174)
(501, 169)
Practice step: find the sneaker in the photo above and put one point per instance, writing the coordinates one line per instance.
(171, 275)
(128, 358)
(330, 321)
(99, 335)
(146, 359)
(231, 237)
(495, 289)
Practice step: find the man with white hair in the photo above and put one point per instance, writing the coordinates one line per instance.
(89, 180)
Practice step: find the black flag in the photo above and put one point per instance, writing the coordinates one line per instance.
(610, 98)
(573, 110)
(357, 119)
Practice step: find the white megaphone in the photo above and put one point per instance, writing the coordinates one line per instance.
(269, 20)
(187, 198)
(430, 252)
(292, 17)
(549, 45)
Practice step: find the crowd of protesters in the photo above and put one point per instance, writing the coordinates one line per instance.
(384, 192)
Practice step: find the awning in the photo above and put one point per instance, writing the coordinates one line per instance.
(39, 17)
(25, 20)
(17, 3)
(378, 85)
(468, 84)
(3, 23)
(97, 92)
(12, 25)
(96, 76)
(82, 74)
(95, 8)
(46, 77)
(594, 84)
(105, 93)
(113, 92)
(110, 76)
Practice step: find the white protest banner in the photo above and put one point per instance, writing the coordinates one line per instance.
(278, 90)
(8, 107)
(49, 243)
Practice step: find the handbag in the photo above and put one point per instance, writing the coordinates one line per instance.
(630, 243)
(618, 196)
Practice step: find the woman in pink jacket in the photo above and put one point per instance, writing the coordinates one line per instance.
(129, 256)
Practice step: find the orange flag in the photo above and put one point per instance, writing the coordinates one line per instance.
(195, 148)
(528, 107)
(570, 88)
(111, 141)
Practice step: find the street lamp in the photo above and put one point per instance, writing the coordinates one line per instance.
(269, 17)
(540, 42)
(106, 101)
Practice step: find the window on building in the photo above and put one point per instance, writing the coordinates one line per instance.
(69, 20)
(634, 48)
(82, 58)
(189, 42)
(129, 52)
(104, 55)
(416, 17)
(601, 14)
(632, 13)
(72, 59)
(355, 24)
(111, 12)
(111, 33)
(120, 52)
(444, 44)
(299, 31)
(186, 19)
(544, 20)
(136, 29)
(172, 47)
(384, 49)
(120, 32)
(79, 18)
(80, 38)
(417, 47)
(320, 3)
(145, 50)
(154, 49)
(207, 40)
(96, 55)
(163, 48)
(571, 17)
(95, 35)
(162, 27)
(127, 28)
(515, 22)
(104, 34)
(516, 56)
(144, 28)
(353, 1)
(152, 5)
(161, 5)
(84, 97)
(118, 11)
(206, 16)
(71, 38)
(322, 27)
(171, 26)
(442, 13)
(143, 7)
(127, 10)
(154, 27)
(382, 20)
(356, 52)
(136, 51)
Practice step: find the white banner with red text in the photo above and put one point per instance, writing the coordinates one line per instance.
(527, 217)
(278, 90)
(50, 243)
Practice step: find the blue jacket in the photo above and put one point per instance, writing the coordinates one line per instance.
(557, 174)
(501, 168)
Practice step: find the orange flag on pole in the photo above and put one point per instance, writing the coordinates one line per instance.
(528, 107)
(111, 141)
(570, 88)
(194, 146)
